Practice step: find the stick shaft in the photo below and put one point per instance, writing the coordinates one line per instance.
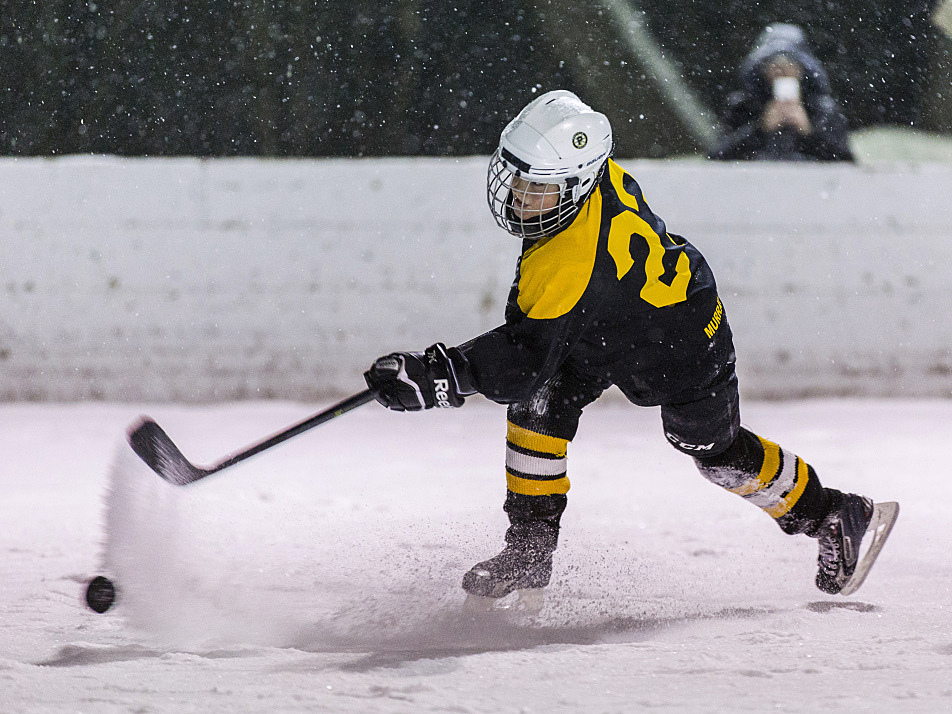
(333, 412)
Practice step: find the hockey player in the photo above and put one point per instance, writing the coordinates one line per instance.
(605, 295)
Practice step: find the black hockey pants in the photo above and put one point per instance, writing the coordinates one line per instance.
(707, 428)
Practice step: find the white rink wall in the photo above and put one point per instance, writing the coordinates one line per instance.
(195, 280)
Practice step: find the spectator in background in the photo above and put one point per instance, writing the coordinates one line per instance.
(784, 110)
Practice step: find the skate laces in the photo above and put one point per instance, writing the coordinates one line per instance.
(830, 542)
(840, 535)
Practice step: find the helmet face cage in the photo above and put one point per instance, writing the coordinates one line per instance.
(508, 191)
(505, 198)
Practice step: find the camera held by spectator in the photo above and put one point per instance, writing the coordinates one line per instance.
(784, 110)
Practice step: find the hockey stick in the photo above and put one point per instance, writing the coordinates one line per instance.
(156, 449)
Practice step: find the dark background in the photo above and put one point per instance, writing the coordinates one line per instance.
(399, 77)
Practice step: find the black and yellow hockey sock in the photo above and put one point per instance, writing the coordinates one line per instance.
(537, 484)
(770, 477)
(535, 463)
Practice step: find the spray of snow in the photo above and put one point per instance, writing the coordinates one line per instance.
(172, 582)
(191, 574)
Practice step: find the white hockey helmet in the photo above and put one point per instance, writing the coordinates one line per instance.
(557, 145)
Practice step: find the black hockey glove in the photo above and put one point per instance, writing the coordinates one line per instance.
(411, 381)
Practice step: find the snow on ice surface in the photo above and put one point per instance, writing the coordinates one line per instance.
(324, 575)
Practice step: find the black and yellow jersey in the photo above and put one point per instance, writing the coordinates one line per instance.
(614, 297)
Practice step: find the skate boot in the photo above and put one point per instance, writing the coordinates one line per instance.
(525, 563)
(844, 558)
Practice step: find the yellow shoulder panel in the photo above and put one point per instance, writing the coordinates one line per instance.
(555, 271)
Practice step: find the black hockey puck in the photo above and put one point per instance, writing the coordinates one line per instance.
(100, 593)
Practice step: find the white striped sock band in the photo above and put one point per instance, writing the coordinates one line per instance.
(535, 463)
(782, 480)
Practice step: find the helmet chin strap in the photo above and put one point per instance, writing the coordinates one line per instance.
(581, 190)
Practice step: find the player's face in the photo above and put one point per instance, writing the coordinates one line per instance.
(531, 200)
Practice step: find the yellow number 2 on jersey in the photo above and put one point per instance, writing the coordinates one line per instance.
(627, 224)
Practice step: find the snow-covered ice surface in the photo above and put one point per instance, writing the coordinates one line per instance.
(324, 575)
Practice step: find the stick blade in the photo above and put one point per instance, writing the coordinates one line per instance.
(156, 449)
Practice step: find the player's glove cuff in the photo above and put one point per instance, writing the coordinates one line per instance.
(449, 377)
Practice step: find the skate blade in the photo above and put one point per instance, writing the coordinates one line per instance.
(528, 602)
(880, 526)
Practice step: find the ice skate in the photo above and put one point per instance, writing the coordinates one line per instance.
(515, 568)
(513, 580)
(850, 539)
